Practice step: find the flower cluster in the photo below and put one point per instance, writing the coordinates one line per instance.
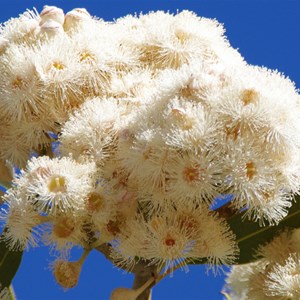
(275, 276)
(154, 124)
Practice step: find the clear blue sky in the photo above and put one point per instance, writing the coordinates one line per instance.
(266, 32)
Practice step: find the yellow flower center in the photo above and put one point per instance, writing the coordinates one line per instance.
(57, 184)
(249, 96)
(58, 66)
(250, 170)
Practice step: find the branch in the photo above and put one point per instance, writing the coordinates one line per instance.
(142, 270)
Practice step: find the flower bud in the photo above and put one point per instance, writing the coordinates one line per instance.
(67, 273)
(75, 17)
(52, 13)
(51, 28)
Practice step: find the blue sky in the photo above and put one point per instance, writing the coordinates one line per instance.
(266, 32)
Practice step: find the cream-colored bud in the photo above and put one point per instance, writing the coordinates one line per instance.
(74, 18)
(52, 13)
(51, 28)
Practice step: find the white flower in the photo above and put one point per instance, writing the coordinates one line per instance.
(171, 236)
(283, 280)
(22, 29)
(57, 185)
(21, 220)
(20, 87)
(91, 131)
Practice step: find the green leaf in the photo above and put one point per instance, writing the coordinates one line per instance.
(250, 235)
(9, 264)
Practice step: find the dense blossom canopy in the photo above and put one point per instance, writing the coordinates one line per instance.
(154, 124)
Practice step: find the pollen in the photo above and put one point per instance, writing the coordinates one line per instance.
(249, 96)
(187, 91)
(95, 202)
(250, 170)
(58, 66)
(57, 184)
(63, 227)
(191, 174)
(86, 56)
(18, 83)
(181, 36)
(268, 196)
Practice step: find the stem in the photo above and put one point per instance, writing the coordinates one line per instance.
(84, 256)
(144, 275)
(139, 281)
(142, 271)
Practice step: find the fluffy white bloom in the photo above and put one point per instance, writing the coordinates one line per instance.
(155, 123)
(21, 220)
(18, 30)
(91, 132)
(173, 236)
(274, 276)
(284, 280)
(237, 281)
(21, 87)
(56, 185)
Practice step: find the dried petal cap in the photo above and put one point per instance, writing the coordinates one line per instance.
(52, 13)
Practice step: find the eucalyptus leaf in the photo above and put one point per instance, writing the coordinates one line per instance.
(250, 235)
(9, 264)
